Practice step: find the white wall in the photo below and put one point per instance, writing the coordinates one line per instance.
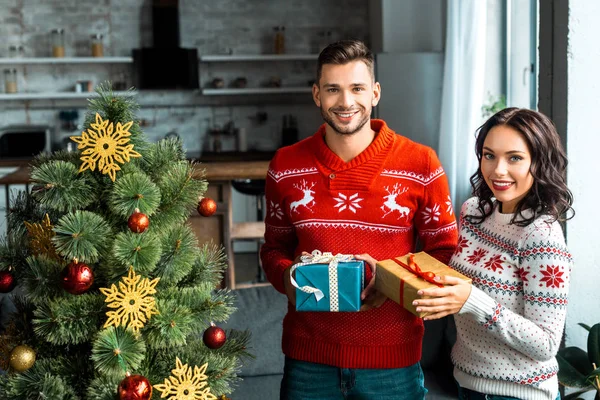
(583, 142)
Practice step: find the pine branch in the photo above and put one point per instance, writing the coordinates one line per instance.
(180, 193)
(39, 382)
(120, 108)
(23, 207)
(140, 250)
(208, 267)
(61, 187)
(82, 235)
(117, 351)
(162, 153)
(171, 327)
(13, 252)
(42, 279)
(71, 157)
(206, 305)
(103, 387)
(180, 250)
(70, 319)
(132, 191)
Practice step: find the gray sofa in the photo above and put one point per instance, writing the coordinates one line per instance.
(261, 310)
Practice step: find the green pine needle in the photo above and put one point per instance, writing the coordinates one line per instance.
(140, 250)
(24, 207)
(179, 246)
(171, 327)
(42, 279)
(82, 235)
(132, 191)
(180, 193)
(117, 351)
(13, 253)
(103, 387)
(39, 382)
(70, 319)
(209, 266)
(60, 186)
(162, 153)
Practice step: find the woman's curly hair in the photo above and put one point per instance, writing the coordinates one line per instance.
(549, 194)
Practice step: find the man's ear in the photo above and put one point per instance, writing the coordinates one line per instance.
(316, 92)
(376, 94)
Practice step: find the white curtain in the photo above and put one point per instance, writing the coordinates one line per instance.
(462, 95)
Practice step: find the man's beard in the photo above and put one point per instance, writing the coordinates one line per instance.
(345, 130)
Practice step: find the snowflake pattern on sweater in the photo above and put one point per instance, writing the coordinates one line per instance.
(510, 328)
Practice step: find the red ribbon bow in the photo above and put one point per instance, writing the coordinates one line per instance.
(413, 268)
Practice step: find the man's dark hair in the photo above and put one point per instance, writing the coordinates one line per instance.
(343, 52)
(549, 194)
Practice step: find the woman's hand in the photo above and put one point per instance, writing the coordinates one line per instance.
(370, 296)
(444, 301)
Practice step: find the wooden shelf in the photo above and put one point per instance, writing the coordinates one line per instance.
(248, 91)
(258, 57)
(56, 96)
(66, 60)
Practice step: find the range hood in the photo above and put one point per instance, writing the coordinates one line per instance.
(165, 65)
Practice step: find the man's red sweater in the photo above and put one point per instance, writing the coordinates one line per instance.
(379, 203)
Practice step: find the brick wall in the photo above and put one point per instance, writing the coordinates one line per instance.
(239, 26)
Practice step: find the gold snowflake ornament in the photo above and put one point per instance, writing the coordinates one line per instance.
(40, 237)
(132, 300)
(106, 145)
(183, 384)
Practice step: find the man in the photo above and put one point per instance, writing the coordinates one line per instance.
(354, 187)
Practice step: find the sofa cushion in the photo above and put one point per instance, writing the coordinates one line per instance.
(261, 310)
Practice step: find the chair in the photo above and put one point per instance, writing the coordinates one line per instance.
(250, 231)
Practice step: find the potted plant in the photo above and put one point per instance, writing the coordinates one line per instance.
(581, 370)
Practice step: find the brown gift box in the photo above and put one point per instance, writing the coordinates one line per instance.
(395, 281)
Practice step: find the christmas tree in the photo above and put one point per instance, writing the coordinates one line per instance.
(114, 297)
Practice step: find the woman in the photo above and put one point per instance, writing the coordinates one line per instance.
(510, 319)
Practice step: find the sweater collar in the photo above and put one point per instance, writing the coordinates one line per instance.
(384, 137)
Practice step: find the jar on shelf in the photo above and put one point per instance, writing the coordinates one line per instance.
(279, 47)
(10, 80)
(15, 51)
(57, 38)
(97, 45)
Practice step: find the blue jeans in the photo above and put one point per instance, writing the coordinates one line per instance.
(304, 380)
(468, 394)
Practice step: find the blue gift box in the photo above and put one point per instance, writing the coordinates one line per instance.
(350, 283)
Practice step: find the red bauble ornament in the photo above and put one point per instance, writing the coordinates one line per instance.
(7, 281)
(214, 337)
(135, 387)
(138, 222)
(207, 207)
(76, 278)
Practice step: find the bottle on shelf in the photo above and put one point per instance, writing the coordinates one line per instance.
(97, 45)
(58, 42)
(15, 51)
(279, 47)
(10, 80)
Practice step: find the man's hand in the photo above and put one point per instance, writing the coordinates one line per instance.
(290, 290)
(445, 301)
(370, 296)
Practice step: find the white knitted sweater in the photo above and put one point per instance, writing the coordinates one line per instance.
(510, 328)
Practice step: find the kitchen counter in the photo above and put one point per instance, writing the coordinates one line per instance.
(215, 171)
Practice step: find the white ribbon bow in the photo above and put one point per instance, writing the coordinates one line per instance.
(322, 258)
